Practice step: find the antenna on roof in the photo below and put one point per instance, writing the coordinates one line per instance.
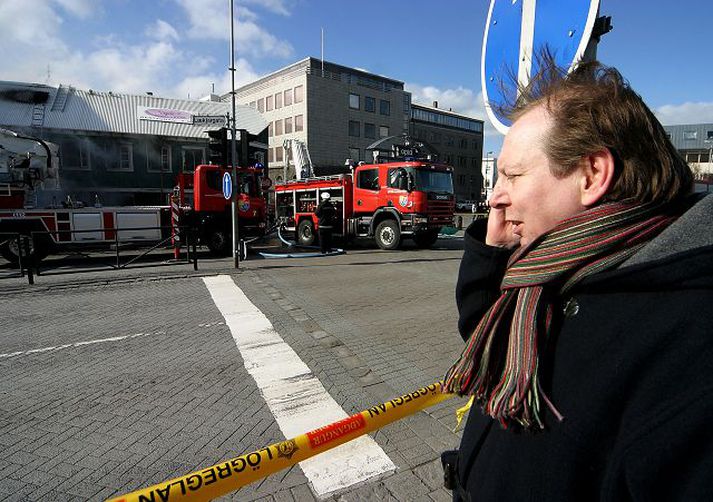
(212, 87)
(322, 46)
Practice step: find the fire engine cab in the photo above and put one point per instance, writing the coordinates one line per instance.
(385, 201)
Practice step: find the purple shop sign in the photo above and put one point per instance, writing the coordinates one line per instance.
(164, 115)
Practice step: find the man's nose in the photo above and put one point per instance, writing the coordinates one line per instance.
(499, 199)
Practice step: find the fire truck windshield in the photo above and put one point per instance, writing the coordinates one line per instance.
(428, 180)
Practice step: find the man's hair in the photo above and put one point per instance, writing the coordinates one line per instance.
(594, 108)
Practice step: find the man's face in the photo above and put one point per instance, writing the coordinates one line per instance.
(531, 198)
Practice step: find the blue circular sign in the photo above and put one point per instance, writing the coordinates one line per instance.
(227, 186)
(516, 31)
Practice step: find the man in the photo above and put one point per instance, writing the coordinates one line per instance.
(327, 213)
(586, 300)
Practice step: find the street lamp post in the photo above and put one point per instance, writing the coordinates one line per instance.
(234, 204)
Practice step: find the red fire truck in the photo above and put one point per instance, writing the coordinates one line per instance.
(211, 212)
(57, 228)
(384, 201)
(198, 202)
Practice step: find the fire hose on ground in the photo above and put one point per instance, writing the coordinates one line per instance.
(234, 473)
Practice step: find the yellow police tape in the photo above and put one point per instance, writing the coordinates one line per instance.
(228, 476)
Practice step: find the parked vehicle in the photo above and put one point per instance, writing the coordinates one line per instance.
(384, 201)
(197, 201)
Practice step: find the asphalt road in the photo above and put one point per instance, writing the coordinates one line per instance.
(113, 381)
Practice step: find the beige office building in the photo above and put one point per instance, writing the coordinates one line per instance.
(335, 110)
(339, 111)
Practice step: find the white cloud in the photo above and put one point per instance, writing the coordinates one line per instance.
(160, 63)
(40, 29)
(209, 20)
(161, 30)
(79, 8)
(685, 113)
(276, 6)
(201, 85)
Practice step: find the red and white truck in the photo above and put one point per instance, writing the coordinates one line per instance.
(197, 202)
(385, 201)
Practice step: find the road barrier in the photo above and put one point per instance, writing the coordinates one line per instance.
(229, 475)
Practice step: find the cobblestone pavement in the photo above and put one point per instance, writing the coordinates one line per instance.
(161, 389)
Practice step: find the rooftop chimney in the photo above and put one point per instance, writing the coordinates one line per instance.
(435, 104)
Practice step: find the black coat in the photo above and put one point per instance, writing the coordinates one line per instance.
(631, 370)
(326, 214)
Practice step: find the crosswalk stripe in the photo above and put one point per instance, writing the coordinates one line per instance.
(296, 398)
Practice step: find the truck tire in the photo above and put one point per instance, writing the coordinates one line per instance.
(218, 242)
(305, 233)
(38, 251)
(388, 235)
(426, 239)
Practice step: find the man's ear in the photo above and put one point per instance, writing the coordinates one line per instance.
(597, 176)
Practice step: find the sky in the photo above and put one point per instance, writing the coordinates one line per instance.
(180, 48)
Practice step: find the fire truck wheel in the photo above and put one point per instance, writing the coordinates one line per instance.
(426, 239)
(388, 235)
(218, 243)
(38, 251)
(305, 233)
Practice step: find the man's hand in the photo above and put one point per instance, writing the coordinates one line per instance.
(500, 231)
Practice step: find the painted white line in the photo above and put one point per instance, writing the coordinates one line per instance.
(294, 395)
(78, 344)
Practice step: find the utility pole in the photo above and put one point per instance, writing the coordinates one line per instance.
(233, 154)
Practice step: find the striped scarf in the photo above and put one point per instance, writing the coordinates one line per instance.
(504, 380)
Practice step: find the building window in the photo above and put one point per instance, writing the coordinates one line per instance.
(191, 157)
(709, 135)
(463, 143)
(690, 134)
(125, 159)
(368, 179)
(383, 131)
(278, 127)
(271, 155)
(288, 125)
(252, 104)
(261, 105)
(299, 125)
(270, 131)
(384, 107)
(84, 155)
(449, 140)
(354, 128)
(369, 130)
(354, 101)
(692, 157)
(369, 104)
(354, 154)
(279, 151)
(268, 103)
(288, 97)
(278, 100)
(462, 161)
(164, 160)
(299, 94)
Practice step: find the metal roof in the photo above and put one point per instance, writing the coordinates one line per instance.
(24, 105)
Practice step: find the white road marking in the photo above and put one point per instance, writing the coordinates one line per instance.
(294, 395)
(78, 344)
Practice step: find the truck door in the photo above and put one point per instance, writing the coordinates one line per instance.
(366, 190)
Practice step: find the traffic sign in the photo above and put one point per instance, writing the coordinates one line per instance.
(227, 186)
(516, 31)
